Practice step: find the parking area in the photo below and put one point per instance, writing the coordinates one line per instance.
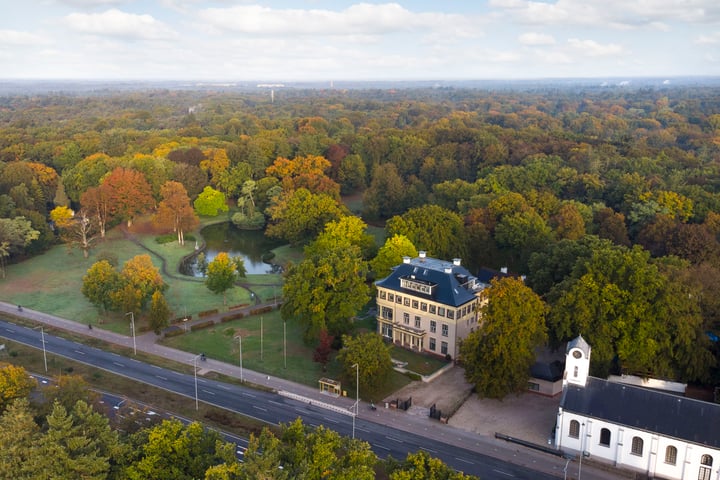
(528, 416)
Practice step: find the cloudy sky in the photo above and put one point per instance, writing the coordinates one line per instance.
(281, 40)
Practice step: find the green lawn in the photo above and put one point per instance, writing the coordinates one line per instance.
(422, 364)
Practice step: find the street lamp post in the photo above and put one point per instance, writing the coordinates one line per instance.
(197, 407)
(239, 339)
(357, 395)
(132, 328)
(42, 336)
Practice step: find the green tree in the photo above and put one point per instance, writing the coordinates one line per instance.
(347, 230)
(210, 202)
(176, 452)
(76, 445)
(498, 356)
(159, 312)
(636, 319)
(299, 215)
(15, 234)
(325, 291)
(100, 281)
(372, 355)
(223, 272)
(431, 228)
(19, 435)
(391, 254)
(262, 459)
(322, 453)
(67, 391)
(421, 466)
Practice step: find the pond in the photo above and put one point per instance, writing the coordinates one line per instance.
(250, 245)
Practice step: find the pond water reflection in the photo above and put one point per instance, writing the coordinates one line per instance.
(250, 245)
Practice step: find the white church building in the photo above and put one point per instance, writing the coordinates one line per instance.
(656, 433)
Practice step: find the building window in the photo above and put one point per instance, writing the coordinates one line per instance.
(417, 321)
(706, 462)
(535, 387)
(386, 313)
(415, 304)
(441, 311)
(398, 299)
(391, 297)
(575, 372)
(432, 309)
(450, 313)
(605, 437)
(433, 326)
(406, 318)
(574, 429)
(637, 446)
(387, 330)
(444, 330)
(671, 455)
(432, 344)
(382, 294)
(407, 301)
(423, 306)
(443, 348)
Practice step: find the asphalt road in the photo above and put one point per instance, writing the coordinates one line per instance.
(270, 407)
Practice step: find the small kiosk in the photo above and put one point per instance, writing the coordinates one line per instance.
(330, 386)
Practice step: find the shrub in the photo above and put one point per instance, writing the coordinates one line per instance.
(167, 238)
(201, 325)
(173, 332)
(240, 305)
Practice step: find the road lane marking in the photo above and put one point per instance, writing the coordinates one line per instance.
(247, 394)
(10, 330)
(224, 387)
(504, 473)
(380, 446)
(161, 377)
(207, 391)
(118, 364)
(330, 420)
(78, 351)
(394, 439)
(260, 408)
(464, 460)
(429, 450)
(362, 430)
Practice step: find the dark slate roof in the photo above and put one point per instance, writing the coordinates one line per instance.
(669, 415)
(449, 288)
(486, 275)
(550, 371)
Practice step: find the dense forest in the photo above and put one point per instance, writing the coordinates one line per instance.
(606, 199)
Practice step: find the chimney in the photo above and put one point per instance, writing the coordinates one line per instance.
(422, 254)
(456, 262)
(503, 270)
(406, 259)
(448, 270)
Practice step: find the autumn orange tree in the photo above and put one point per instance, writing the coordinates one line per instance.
(304, 172)
(97, 202)
(175, 211)
(129, 193)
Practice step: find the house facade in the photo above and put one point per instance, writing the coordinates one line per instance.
(657, 433)
(428, 305)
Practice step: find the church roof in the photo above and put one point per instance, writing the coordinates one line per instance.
(650, 410)
(451, 283)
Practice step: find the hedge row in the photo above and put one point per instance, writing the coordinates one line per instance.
(234, 316)
(173, 332)
(241, 305)
(265, 309)
(205, 313)
(201, 325)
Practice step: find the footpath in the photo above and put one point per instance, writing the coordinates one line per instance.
(401, 420)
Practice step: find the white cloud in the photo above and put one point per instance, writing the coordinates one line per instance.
(614, 13)
(18, 38)
(115, 23)
(712, 39)
(358, 19)
(592, 48)
(92, 3)
(533, 38)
